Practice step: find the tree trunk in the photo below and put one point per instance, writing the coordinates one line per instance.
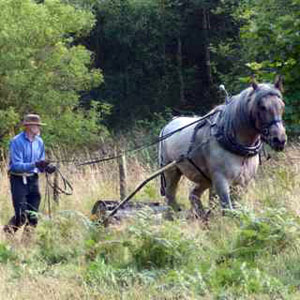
(206, 28)
(179, 70)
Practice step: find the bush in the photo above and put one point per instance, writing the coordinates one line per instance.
(46, 74)
(61, 239)
(273, 232)
(7, 254)
(163, 246)
(238, 278)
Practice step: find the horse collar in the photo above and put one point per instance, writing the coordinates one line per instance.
(229, 143)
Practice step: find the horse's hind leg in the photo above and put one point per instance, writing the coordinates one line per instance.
(212, 198)
(195, 199)
(172, 178)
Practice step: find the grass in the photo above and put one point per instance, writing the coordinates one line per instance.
(253, 254)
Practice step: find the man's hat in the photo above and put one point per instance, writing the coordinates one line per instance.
(32, 119)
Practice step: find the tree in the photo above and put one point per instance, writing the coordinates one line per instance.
(155, 54)
(264, 41)
(271, 41)
(43, 70)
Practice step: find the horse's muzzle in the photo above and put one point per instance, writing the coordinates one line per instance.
(278, 144)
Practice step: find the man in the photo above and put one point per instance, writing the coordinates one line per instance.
(27, 159)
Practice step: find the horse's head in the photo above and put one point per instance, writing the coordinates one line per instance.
(267, 111)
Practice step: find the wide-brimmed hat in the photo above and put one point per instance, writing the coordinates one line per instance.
(33, 119)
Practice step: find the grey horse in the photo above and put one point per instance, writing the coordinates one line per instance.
(222, 149)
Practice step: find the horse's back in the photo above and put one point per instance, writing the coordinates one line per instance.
(177, 123)
(176, 144)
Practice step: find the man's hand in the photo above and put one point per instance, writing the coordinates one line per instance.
(50, 169)
(42, 165)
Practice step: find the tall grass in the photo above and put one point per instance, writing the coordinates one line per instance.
(252, 254)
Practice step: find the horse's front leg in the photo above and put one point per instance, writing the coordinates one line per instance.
(221, 185)
(235, 196)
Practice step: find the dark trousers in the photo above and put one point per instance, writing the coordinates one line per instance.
(26, 199)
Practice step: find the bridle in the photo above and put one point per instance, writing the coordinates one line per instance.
(229, 142)
(264, 129)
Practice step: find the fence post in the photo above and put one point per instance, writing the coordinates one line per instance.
(123, 176)
(55, 185)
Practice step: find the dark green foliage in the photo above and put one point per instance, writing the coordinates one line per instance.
(61, 239)
(237, 277)
(166, 247)
(271, 233)
(274, 232)
(254, 255)
(153, 55)
(163, 255)
(158, 54)
(270, 43)
(7, 254)
(43, 71)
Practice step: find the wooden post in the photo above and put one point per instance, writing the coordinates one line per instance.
(123, 176)
(55, 185)
(126, 199)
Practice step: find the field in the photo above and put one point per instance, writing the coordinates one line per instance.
(251, 254)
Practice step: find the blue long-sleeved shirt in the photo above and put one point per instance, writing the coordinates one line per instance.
(24, 153)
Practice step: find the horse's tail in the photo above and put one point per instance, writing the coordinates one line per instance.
(161, 164)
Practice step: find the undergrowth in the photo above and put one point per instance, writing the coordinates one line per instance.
(251, 254)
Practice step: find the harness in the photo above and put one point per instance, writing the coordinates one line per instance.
(265, 129)
(227, 139)
(228, 142)
(202, 121)
(211, 121)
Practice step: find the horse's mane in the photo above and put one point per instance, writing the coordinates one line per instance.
(237, 110)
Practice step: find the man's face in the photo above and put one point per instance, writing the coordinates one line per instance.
(33, 129)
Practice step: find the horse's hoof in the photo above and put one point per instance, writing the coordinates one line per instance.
(226, 212)
(171, 212)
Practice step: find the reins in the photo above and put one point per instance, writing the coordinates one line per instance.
(154, 142)
(66, 189)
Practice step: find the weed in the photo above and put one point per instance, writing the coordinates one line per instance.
(61, 238)
(252, 254)
(7, 254)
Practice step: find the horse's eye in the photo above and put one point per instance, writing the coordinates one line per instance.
(263, 108)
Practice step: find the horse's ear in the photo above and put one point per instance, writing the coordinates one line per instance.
(254, 83)
(278, 83)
